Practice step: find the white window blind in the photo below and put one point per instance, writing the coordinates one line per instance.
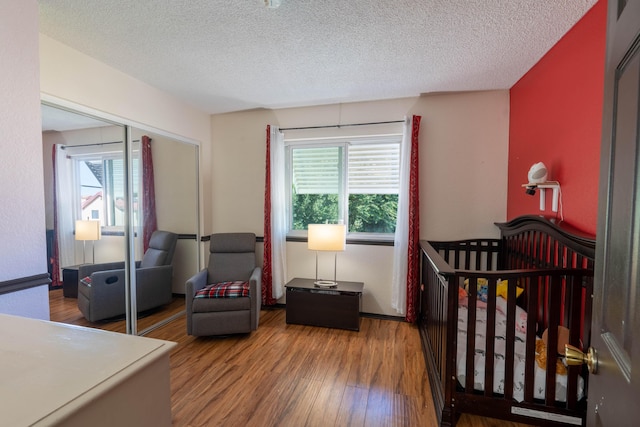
(374, 169)
(316, 170)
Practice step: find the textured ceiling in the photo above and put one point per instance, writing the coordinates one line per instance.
(231, 55)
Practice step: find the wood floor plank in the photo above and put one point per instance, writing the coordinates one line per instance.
(325, 408)
(353, 407)
(292, 375)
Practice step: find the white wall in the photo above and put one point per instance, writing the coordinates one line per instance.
(22, 221)
(31, 302)
(463, 174)
(464, 143)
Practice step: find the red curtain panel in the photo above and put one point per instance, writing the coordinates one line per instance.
(413, 254)
(267, 275)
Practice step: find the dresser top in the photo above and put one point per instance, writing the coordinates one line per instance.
(49, 369)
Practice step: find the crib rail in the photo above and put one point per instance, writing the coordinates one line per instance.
(434, 315)
(534, 242)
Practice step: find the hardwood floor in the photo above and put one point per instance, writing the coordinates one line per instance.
(66, 310)
(292, 375)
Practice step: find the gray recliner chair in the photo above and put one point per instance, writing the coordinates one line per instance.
(225, 298)
(101, 286)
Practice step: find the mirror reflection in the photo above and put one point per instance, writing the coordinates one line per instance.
(85, 167)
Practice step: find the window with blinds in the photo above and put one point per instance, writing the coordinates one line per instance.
(356, 182)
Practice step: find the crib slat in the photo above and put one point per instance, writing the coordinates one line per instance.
(510, 342)
(536, 248)
(488, 266)
(566, 262)
(490, 339)
(466, 257)
(471, 334)
(541, 308)
(528, 239)
(554, 304)
(574, 299)
(531, 288)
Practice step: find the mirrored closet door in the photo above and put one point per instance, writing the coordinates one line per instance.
(108, 188)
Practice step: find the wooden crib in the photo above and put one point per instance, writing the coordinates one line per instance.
(473, 338)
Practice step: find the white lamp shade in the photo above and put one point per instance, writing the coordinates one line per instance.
(87, 230)
(327, 237)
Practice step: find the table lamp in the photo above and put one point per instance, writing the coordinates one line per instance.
(327, 237)
(87, 230)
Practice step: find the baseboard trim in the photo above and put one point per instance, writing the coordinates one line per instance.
(280, 306)
(23, 283)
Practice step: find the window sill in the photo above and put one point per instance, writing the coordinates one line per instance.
(366, 241)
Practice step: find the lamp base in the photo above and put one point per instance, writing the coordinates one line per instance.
(325, 283)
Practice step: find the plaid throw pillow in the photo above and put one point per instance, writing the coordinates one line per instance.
(224, 290)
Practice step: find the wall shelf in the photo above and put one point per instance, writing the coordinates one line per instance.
(542, 186)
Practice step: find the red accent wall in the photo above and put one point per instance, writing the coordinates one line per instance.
(555, 118)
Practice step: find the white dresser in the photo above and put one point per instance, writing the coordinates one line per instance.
(56, 374)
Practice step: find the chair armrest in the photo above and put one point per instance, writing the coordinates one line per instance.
(104, 282)
(255, 282)
(195, 283)
(104, 297)
(88, 269)
(255, 286)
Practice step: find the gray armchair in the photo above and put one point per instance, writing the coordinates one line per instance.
(102, 296)
(213, 311)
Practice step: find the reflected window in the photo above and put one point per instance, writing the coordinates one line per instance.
(101, 188)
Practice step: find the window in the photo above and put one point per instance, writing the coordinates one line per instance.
(101, 185)
(333, 180)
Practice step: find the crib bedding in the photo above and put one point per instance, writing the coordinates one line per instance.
(499, 354)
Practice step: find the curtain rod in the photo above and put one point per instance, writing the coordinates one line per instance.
(64, 147)
(341, 126)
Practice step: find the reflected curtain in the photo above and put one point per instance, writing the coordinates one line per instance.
(406, 253)
(63, 215)
(275, 219)
(149, 220)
